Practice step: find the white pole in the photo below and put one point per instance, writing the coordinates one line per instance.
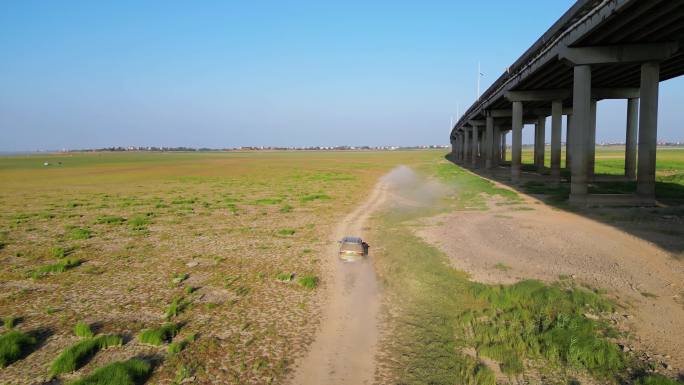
(478, 80)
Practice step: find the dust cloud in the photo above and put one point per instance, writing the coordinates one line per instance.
(412, 190)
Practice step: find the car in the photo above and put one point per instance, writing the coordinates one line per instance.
(352, 248)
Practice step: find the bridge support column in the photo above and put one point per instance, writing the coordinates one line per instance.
(556, 123)
(591, 141)
(516, 151)
(581, 126)
(539, 145)
(466, 145)
(631, 139)
(503, 145)
(496, 147)
(475, 138)
(648, 129)
(489, 142)
(568, 139)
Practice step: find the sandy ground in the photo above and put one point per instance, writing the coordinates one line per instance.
(344, 349)
(505, 245)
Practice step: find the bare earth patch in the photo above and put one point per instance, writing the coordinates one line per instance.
(548, 244)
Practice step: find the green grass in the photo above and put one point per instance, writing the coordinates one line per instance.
(308, 281)
(176, 307)
(268, 201)
(315, 197)
(286, 232)
(78, 354)
(61, 266)
(110, 220)
(9, 322)
(14, 345)
(286, 208)
(159, 335)
(78, 233)
(472, 192)
(139, 223)
(285, 277)
(132, 372)
(83, 330)
(502, 266)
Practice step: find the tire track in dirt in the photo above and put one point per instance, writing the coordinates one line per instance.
(344, 349)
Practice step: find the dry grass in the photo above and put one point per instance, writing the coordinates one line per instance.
(137, 221)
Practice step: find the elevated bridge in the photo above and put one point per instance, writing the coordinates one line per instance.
(599, 49)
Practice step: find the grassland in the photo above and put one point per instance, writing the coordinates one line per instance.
(131, 241)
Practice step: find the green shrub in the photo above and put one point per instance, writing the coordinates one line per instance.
(14, 345)
(110, 220)
(309, 281)
(159, 335)
(83, 330)
(131, 372)
(78, 354)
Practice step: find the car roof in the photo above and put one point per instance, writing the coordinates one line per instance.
(351, 240)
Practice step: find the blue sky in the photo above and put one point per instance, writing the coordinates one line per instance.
(83, 74)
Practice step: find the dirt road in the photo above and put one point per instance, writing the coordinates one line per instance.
(345, 346)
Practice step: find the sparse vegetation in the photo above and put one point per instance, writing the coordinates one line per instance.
(110, 220)
(14, 345)
(177, 306)
(159, 335)
(131, 372)
(286, 232)
(9, 322)
(285, 277)
(78, 233)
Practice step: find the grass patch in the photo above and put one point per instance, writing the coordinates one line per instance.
(139, 223)
(176, 307)
(268, 201)
(78, 233)
(502, 267)
(61, 266)
(657, 380)
(286, 232)
(110, 220)
(9, 323)
(14, 345)
(78, 354)
(308, 281)
(285, 277)
(179, 277)
(471, 190)
(179, 346)
(83, 330)
(315, 197)
(286, 208)
(648, 294)
(159, 335)
(131, 372)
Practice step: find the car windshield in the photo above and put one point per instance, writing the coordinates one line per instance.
(351, 240)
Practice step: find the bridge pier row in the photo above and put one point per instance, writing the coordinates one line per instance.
(580, 130)
(556, 132)
(631, 138)
(539, 145)
(516, 148)
(648, 129)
